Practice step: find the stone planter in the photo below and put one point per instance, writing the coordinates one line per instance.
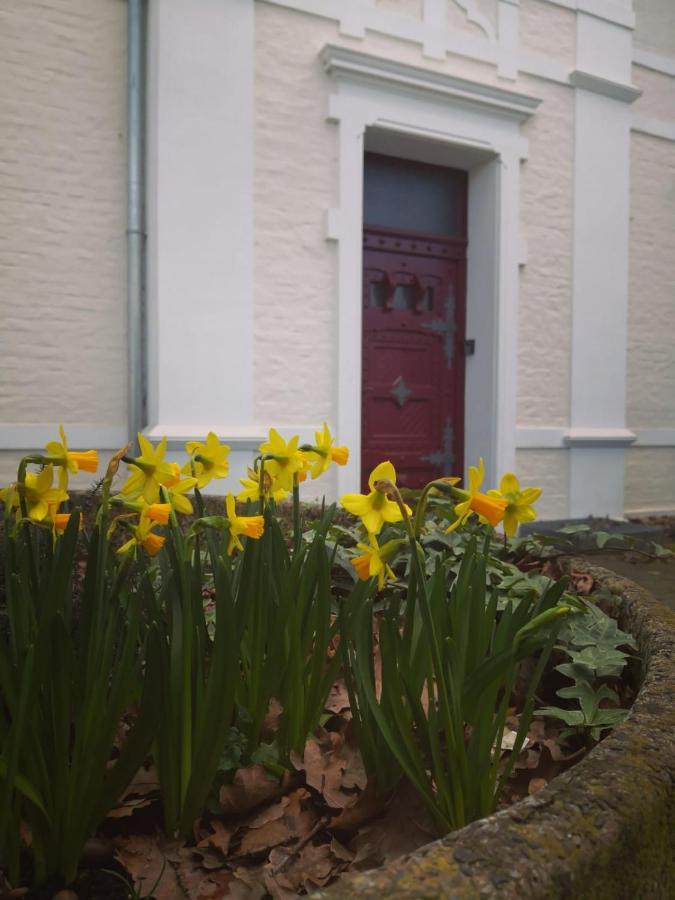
(603, 829)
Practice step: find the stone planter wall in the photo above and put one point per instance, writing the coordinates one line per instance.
(603, 830)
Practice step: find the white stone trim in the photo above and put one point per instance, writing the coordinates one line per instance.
(344, 62)
(655, 437)
(240, 438)
(17, 436)
(200, 210)
(355, 17)
(541, 437)
(597, 434)
(462, 124)
(654, 61)
(659, 128)
(475, 16)
(616, 90)
(599, 437)
(554, 437)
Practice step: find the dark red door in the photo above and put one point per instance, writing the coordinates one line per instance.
(413, 354)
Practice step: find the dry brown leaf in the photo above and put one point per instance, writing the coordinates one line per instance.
(368, 805)
(270, 724)
(290, 820)
(146, 860)
(220, 838)
(250, 787)
(338, 699)
(202, 874)
(535, 785)
(141, 792)
(333, 767)
(341, 852)
(248, 885)
(405, 826)
(313, 866)
(582, 582)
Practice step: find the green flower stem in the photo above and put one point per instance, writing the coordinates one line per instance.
(451, 723)
(21, 478)
(261, 486)
(297, 535)
(185, 727)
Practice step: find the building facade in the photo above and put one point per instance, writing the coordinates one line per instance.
(446, 227)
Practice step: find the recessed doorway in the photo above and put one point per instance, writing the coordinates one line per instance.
(414, 314)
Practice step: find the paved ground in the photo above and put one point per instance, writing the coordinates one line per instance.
(656, 575)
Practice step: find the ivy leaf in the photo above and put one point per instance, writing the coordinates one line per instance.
(594, 629)
(605, 661)
(572, 717)
(601, 538)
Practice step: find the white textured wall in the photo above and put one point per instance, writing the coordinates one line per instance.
(655, 26)
(650, 480)
(546, 280)
(62, 195)
(295, 183)
(411, 8)
(548, 29)
(658, 91)
(549, 470)
(651, 310)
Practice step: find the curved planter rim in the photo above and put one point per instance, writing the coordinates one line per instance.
(603, 829)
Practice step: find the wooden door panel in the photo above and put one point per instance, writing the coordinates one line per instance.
(413, 360)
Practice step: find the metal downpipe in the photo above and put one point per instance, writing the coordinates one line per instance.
(136, 413)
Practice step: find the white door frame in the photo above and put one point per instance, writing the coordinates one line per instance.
(415, 113)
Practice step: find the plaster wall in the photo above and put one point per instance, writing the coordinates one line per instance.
(544, 323)
(548, 29)
(295, 183)
(547, 469)
(412, 8)
(654, 26)
(651, 309)
(650, 480)
(63, 201)
(658, 91)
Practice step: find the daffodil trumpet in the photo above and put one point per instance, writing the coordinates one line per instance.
(375, 560)
(488, 508)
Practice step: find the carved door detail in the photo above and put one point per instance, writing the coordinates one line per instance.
(413, 354)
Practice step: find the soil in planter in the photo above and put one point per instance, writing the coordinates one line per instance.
(108, 883)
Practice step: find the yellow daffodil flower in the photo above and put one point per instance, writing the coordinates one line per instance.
(251, 486)
(177, 492)
(40, 496)
(144, 536)
(71, 461)
(374, 563)
(250, 526)
(519, 508)
(323, 453)
(209, 460)
(60, 522)
(488, 508)
(284, 459)
(149, 471)
(156, 512)
(10, 496)
(375, 508)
